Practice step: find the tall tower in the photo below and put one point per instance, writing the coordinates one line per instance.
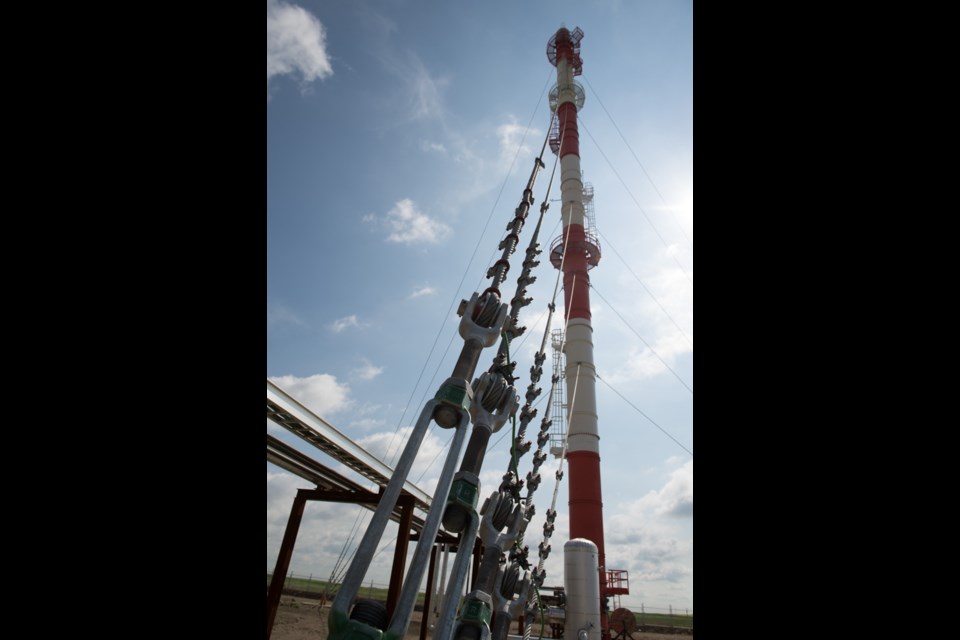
(576, 252)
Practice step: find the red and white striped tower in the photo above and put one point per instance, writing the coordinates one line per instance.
(582, 253)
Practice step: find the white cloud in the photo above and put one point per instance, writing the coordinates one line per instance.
(278, 315)
(366, 424)
(647, 317)
(379, 26)
(432, 146)
(426, 91)
(367, 371)
(389, 445)
(510, 135)
(408, 225)
(321, 393)
(423, 91)
(369, 408)
(346, 322)
(323, 530)
(296, 43)
(423, 291)
(641, 362)
(680, 218)
(676, 496)
(281, 489)
(650, 537)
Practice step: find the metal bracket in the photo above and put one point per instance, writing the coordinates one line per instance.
(475, 620)
(508, 608)
(470, 330)
(493, 419)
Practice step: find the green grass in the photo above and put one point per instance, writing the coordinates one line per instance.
(664, 619)
(317, 586)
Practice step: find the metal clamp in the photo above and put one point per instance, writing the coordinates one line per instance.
(471, 330)
(489, 532)
(514, 580)
(486, 390)
(455, 395)
(493, 403)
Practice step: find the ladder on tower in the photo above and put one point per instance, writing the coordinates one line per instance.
(558, 430)
(590, 245)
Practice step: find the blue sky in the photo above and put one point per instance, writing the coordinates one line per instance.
(391, 128)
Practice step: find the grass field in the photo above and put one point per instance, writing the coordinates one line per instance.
(664, 619)
(376, 593)
(317, 586)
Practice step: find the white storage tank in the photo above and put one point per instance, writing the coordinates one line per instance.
(581, 581)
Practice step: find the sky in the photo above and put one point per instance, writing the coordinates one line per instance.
(400, 136)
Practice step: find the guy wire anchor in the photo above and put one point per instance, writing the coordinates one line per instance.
(505, 605)
(493, 403)
(480, 326)
(498, 509)
(455, 394)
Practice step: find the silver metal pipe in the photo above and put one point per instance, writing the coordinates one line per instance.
(418, 566)
(458, 579)
(367, 548)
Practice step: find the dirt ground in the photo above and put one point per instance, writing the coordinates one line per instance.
(301, 619)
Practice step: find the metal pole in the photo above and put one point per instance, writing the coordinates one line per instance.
(427, 614)
(353, 580)
(443, 582)
(458, 577)
(431, 526)
(405, 503)
(477, 556)
(283, 559)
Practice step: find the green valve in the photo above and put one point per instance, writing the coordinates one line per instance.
(464, 492)
(342, 628)
(336, 622)
(476, 611)
(453, 394)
